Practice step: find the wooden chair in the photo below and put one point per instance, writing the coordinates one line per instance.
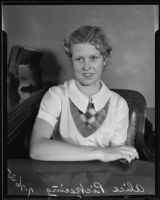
(137, 119)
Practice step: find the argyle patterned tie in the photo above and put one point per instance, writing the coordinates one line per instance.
(90, 117)
(87, 123)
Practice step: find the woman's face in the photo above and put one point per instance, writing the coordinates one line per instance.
(88, 64)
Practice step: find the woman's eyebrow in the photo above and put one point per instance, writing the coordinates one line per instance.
(78, 56)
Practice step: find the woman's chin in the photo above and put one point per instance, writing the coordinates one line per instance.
(87, 82)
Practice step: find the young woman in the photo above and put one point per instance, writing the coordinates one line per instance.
(92, 120)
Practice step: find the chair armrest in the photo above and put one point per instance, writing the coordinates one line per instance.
(143, 149)
(21, 119)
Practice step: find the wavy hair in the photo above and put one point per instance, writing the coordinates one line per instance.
(94, 35)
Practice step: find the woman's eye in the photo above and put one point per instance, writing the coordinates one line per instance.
(79, 59)
(94, 58)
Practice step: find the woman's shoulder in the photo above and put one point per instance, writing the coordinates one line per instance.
(115, 95)
(117, 98)
(59, 90)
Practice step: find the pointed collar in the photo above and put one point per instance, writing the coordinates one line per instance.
(81, 100)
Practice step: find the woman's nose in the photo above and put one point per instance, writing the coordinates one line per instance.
(86, 65)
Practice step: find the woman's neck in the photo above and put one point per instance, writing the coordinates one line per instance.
(89, 90)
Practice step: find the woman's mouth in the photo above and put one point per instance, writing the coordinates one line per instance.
(88, 75)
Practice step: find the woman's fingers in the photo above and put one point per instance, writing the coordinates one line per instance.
(131, 154)
(127, 152)
(124, 157)
(127, 157)
(131, 151)
(120, 152)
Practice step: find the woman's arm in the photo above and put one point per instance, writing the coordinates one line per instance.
(44, 148)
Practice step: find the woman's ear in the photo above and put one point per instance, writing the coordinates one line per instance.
(105, 60)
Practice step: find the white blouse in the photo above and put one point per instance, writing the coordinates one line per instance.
(55, 106)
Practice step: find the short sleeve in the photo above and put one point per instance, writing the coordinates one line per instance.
(50, 106)
(122, 120)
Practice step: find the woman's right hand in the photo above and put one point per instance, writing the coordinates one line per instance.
(112, 153)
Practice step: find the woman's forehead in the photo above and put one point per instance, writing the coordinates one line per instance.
(84, 49)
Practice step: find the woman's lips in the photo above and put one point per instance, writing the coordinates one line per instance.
(88, 75)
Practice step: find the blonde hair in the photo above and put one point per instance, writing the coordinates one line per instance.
(94, 35)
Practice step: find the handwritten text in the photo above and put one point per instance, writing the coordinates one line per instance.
(96, 188)
(129, 187)
(18, 183)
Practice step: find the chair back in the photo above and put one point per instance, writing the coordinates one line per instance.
(137, 113)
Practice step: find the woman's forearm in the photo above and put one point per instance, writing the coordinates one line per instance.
(53, 150)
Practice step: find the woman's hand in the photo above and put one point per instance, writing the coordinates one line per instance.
(128, 153)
